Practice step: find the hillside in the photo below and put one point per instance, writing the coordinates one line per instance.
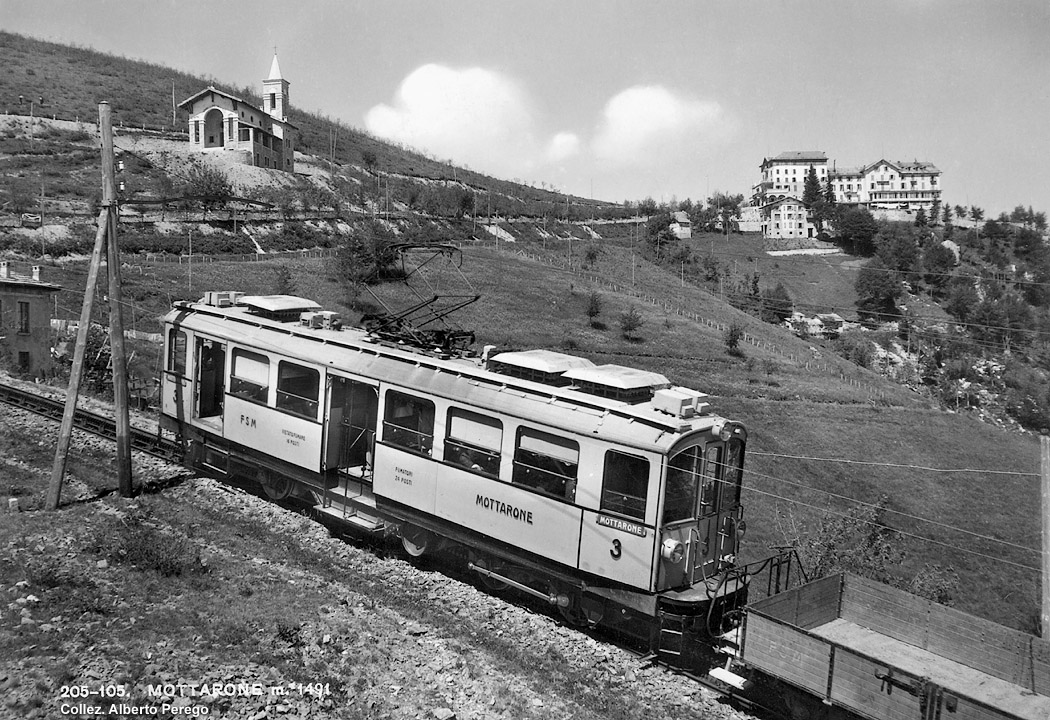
(72, 81)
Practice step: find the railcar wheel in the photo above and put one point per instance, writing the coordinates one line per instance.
(416, 541)
(580, 611)
(276, 487)
(485, 563)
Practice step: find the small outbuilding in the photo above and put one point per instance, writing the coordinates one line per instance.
(25, 320)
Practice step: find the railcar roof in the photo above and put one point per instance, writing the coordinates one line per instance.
(640, 425)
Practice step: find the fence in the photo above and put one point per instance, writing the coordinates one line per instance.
(234, 257)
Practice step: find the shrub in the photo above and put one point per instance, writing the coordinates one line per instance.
(936, 583)
(138, 541)
(855, 346)
(732, 337)
(630, 321)
(594, 307)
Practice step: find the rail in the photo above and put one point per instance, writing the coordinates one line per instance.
(142, 440)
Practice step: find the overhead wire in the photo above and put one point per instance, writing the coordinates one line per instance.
(901, 513)
(905, 533)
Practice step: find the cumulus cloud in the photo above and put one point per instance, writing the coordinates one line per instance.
(644, 124)
(562, 146)
(473, 116)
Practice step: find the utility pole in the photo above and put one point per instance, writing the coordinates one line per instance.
(1044, 447)
(116, 312)
(105, 237)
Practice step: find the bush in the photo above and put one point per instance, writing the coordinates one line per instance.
(732, 337)
(936, 583)
(594, 307)
(630, 321)
(138, 541)
(857, 347)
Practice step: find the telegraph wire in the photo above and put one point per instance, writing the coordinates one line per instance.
(895, 465)
(917, 518)
(900, 532)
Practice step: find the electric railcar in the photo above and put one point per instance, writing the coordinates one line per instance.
(603, 489)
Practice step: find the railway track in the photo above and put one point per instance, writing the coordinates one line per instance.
(144, 441)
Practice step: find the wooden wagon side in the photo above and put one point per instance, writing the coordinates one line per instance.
(888, 655)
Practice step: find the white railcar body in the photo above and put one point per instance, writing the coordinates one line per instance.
(630, 500)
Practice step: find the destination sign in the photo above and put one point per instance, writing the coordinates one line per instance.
(619, 524)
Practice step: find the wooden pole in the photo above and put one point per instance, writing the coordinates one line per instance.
(58, 470)
(1044, 446)
(116, 312)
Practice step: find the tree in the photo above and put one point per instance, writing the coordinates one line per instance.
(811, 189)
(938, 263)
(858, 541)
(20, 196)
(877, 288)
(897, 246)
(732, 337)
(976, 214)
(829, 192)
(630, 320)
(658, 233)
(647, 207)
(856, 228)
(284, 284)
(367, 255)
(921, 219)
(209, 186)
(947, 214)
(594, 308)
(935, 212)
(725, 207)
(776, 304)
(962, 297)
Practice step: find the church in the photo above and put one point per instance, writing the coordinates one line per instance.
(263, 137)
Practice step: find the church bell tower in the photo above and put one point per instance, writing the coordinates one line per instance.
(275, 92)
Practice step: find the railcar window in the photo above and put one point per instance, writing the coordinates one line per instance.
(713, 471)
(734, 473)
(474, 441)
(250, 377)
(625, 484)
(297, 389)
(177, 351)
(683, 479)
(408, 422)
(546, 463)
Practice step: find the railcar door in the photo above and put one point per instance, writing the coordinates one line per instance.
(353, 412)
(211, 380)
(698, 523)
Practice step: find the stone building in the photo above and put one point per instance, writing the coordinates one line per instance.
(25, 321)
(221, 122)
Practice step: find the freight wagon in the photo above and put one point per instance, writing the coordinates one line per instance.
(886, 654)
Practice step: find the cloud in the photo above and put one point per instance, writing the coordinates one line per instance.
(646, 124)
(474, 116)
(562, 146)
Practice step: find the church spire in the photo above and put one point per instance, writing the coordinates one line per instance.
(275, 69)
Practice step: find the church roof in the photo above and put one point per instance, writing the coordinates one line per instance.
(275, 70)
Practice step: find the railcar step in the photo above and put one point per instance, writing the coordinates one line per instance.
(361, 521)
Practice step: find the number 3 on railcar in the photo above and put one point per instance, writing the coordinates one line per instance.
(605, 490)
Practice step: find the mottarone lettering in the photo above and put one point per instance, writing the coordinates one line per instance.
(498, 506)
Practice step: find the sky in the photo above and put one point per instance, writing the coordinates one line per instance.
(625, 100)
